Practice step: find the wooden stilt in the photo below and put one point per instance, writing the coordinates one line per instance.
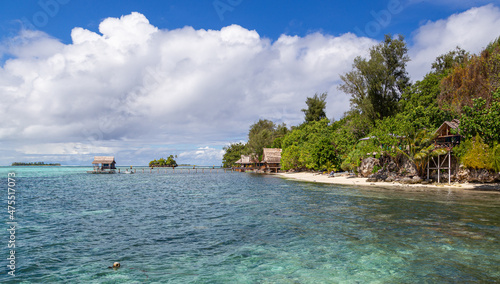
(439, 169)
(449, 167)
(428, 166)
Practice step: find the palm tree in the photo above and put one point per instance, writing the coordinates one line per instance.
(419, 148)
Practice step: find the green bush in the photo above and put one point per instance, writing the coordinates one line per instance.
(362, 150)
(477, 154)
(495, 157)
(376, 169)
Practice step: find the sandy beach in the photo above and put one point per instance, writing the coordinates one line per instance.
(351, 180)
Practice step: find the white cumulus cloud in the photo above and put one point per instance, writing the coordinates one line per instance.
(139, 92)
(133, 81)
(471, 30)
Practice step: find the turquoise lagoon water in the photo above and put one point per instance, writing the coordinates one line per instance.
(244, 228)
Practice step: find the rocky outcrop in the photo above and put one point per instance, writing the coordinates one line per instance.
(404, 171)
(476, 175)
(413, 180)
(407, 168)
(367, 165)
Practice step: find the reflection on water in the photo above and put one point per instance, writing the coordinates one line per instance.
(244, 228)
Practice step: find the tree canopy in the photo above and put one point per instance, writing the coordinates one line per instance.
(315, 110)
(478, 76)
(169, 162)
(376, 84)
(398, 119)
(262, 134)
(232, 154)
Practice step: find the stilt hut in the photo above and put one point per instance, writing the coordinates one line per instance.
(104, 165)
(271, 158)
(247, 162)
(448, 136)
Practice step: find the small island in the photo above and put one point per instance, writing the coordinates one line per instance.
(35, 164)
(161, 163)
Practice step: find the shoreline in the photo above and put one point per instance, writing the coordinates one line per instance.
(357, 181)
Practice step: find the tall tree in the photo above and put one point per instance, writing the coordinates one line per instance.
(447, 61)
(260, 136)
(315, 110)
(279, 134)
(376, 84)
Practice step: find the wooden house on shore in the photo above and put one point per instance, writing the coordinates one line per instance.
(447, 137)
(448, 134)
(271, 161)
(247, 162)
(103, 165)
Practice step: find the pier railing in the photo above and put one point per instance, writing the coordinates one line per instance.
(170, 170)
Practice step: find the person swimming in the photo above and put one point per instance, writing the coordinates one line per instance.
(116, 265)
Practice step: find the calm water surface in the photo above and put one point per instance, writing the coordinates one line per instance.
(244, 228)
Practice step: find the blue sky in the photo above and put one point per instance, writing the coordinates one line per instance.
(145, 79)
(269, 18)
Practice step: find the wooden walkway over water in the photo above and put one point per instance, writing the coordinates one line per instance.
(174, 170)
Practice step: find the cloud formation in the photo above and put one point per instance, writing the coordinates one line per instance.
(140, 92)
(134, 82)
(471, 30)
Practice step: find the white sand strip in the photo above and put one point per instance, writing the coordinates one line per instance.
(321, 178)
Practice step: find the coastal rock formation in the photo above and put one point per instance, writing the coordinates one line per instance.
(367, 166)
(404, 171)
(392, 167)
(408, 168)
(476, 175)
(377, 177)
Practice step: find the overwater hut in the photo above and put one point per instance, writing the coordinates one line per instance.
(104, 164)
(271, 159)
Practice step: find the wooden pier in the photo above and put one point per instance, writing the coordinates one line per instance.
(174, 170)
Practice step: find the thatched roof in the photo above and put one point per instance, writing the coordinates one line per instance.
(271, 155)
(104, 160)
(245, 160)
(444, 129)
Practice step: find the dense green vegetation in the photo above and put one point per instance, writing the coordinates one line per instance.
(398, 117)
(168, 162)
(315, 110)
(34, 164)
(262, 134)
(232, 154)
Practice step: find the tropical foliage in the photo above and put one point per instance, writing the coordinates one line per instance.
(476, 154)
(395, 117)
(481, 119)
(478, 76)
(315, 110)
(310, 147)
(262, 134)
(376, 84)
(169, 162)
(232, 154)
